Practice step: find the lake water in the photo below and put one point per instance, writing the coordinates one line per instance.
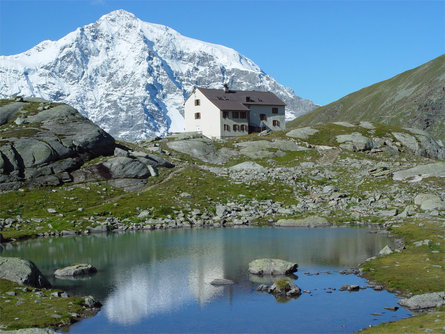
(159, 281)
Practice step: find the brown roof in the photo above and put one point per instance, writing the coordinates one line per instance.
(240, 99)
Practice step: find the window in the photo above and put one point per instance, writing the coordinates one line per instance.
(197, 115)
(274, 110)
(263, 117)
(226, 127)
(197, 102)
(225, 114)
(276, 123)
(235, 114)
(235, 127)
(243, 127)
(243, 114)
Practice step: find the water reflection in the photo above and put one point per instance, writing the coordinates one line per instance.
(149, 274)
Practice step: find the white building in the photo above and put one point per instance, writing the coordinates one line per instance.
(228, 113)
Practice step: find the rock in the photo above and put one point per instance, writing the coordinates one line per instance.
(272, 267)
(203, 150)
(90, 302)
(30, 331)
(391, 308)
(222, 281)
(75, 270)
(143, 214)
(50, 210)
(48, 143)
(350, 287)
(355, 142)
(284, 287)
(311, 221)
(123, 168)
(345, 124)
(185, 195)
(153, 171)
(301, 133)
(249, 165)
(425, 301)
(419, 172)
(385, 250)
(118, 152)
(367, 125)
(1, 238)
(429, 202)
(22, 272)
(420, 143)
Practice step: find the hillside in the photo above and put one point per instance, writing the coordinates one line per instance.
(415, 98)
(131, 77)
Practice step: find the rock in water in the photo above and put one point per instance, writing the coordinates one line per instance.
(272, 267)
(425, 301)
(222, 281)
(76, 270)
(22, 272)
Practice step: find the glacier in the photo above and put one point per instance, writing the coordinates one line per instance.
(132, 77)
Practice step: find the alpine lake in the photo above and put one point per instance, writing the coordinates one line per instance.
(159, 281)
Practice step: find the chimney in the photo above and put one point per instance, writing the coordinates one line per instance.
(226, 88)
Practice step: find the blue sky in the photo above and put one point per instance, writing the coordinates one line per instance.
(321, 49)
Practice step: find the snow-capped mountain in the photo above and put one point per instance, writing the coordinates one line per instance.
(132, 77)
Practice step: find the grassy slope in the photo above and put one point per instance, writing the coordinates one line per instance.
(414, 98)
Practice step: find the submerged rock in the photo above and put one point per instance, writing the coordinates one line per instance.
(272, 267)
(222, 281)
(76, 270)
(22, 271)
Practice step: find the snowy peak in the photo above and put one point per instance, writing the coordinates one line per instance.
(132, 77)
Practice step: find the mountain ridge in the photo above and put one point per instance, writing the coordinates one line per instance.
(414, 98)
(131, 77)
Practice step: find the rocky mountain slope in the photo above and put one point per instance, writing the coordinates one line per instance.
(415, 98)
(334, 174)
(131, 77)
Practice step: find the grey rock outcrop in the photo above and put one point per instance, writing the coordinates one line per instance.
(301, 133)
(222, 281)
(47, 145)
(22, 272)
(272, 267)
(79, 269)
(420, 143)
(424, 301)
(202, 149)
(419, 172)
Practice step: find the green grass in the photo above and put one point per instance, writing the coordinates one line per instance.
(432, 322)
(4, 102)
(27, 309)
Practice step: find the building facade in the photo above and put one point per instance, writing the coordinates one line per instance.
(228, 113)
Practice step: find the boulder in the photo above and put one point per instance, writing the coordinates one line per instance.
(91, 302)
(301, 133)
(429, 202)
(272, 267)
(355, 142)
(385, 250)
(285, 288)
(22, 272)
(425, 301)
(420, 143)
(79, 269)
(312, 221)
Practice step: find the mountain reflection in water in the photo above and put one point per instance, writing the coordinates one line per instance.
(146, 276)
